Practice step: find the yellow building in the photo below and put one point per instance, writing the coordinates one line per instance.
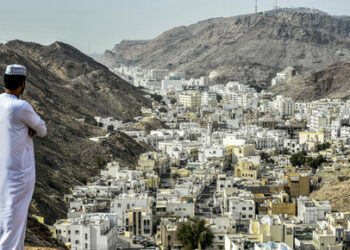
(152, 162)
(271, 228)
(193, 153)
(181, 172)
(312, 139)
(247, 170)
(229, 155)
(241, 152)
(152, 181)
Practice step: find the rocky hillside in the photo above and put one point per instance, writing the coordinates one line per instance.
(334, 187)
(330, 82)
(64, 85)
(147, 125)
(250, 48)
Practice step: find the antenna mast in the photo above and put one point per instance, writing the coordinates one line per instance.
(276, 7)
(256, 6)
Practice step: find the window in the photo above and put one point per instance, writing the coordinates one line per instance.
(233, 207)
(76, 231)
(86, 246)
(250, 208)
(76, 241)
(244, 216)
(86, 236)
(128, 206)
(221, 237)
(119, 204)
(68, 231)
(250, 216)
(244, 208)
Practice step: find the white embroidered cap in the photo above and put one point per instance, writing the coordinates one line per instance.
(16, 69)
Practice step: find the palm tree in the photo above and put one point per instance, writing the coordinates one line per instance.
(194, 233)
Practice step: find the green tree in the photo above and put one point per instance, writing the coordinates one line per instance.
(173, 101)
(315, 162)
(218, 98)
(323, 146)
(298, 159)
(264, 156)
(284, 151)
(100, 161)
(194, 233)
(156, 97)
(163, 110)
(175, 176)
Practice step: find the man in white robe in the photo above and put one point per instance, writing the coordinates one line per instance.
(19, 124)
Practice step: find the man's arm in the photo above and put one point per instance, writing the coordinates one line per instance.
(35, 124)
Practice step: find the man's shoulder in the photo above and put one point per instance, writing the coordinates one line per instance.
(14, 102)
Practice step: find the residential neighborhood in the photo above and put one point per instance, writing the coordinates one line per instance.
(241, 162)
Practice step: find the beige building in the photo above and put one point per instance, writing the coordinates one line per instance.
(312, 139)
(298, 185)
(323, 240)
(190, 99)
(168, 229)
(281, 205)
(138, 221)
(153, 162)
(272, 228)
(242, 152)
(247, 170)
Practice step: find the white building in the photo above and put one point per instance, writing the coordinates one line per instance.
(272, 246)
(108, 122)
(285, 106)
(286, 74)
(311, 211)
(240, 208)
(159, 74)
(90, 231)
(208, 98)
(175, 85)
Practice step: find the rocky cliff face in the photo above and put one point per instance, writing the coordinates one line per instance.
(63, 85)
(330, 82)
(250, 48)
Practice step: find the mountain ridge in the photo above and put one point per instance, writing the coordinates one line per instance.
(250, 48)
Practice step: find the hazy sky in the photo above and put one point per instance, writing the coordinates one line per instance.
(96, 25)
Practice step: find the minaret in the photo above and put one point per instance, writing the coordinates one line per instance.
(209, 136)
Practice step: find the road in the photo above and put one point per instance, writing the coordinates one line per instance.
(205, 200)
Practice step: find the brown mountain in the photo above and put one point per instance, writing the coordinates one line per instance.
(65, 85)
(330, 82)
(249, 48)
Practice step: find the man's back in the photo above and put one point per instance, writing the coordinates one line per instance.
(17, 167)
